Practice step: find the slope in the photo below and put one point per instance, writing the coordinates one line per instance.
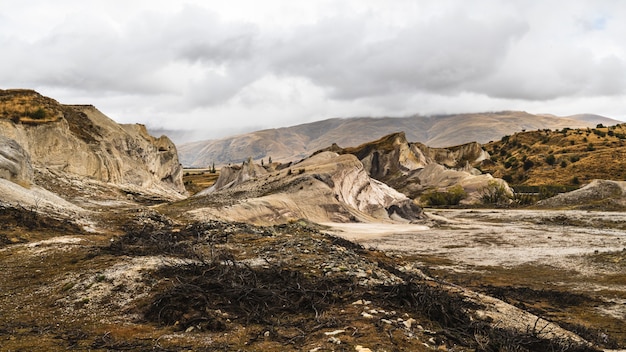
(569, 157)
(296, 142)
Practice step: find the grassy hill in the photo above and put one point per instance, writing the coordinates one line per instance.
(567, 157)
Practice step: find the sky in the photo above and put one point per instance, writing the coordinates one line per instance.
(217, 68)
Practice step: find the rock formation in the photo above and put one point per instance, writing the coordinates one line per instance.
(413, 168)
(597, 195)
(15, 162)
(325, 187)
(80, 140)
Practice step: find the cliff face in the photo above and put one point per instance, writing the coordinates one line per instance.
(325, 187)
(15, 162)
(81, 140)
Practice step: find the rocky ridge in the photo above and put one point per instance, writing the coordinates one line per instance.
(325, 187)
(413, 168)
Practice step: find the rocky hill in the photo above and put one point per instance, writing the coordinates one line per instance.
(327, 187)
(567, 157)
(414, 168)
(597, 195)
(42, 135)
(297, 142)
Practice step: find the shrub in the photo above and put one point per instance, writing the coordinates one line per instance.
(574, 158)
(550, 159)
(452, 196)
(494, 193)
(528, 164)
(563, 163)
(37, 114)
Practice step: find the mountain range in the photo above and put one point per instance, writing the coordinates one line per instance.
(297, 142)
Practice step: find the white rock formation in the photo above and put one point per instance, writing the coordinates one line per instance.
(81, 140)
(607, 194)
(15, 162)
(327, 187)
(413, 168)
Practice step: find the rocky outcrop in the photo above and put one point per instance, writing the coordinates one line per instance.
(413, 168)
(14, 162)
(599, 194)
(326, 187)
(80, 140)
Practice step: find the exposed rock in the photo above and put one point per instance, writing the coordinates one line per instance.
(14, 162)
(81, 140)
(326, 187)
(602, 194)
(413, 168)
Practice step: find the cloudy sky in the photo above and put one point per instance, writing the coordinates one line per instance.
(223, 67)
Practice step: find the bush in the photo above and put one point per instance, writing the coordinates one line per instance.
(528, 164)
(37, 114)
(452, 196)
(494, 193)
(550, 159)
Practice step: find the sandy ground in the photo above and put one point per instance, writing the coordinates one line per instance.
(497, 237)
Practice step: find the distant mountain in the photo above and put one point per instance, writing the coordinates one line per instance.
(297, 142)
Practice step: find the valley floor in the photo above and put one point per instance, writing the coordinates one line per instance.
(152, 282)
(568, 266)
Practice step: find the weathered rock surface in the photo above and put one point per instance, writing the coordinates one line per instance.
(80, 140)
(326, 187)
(599, 194)
(413, 168)
(15, 162)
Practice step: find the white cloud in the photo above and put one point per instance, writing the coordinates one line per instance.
(225, 66)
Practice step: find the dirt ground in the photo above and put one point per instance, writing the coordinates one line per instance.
(536, 259)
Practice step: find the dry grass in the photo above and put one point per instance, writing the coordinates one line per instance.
(196, 180)
(28, 107)
(566, 157)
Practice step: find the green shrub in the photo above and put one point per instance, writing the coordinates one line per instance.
(452, 196)
(494, 193)
(528, 164)
(37, 114)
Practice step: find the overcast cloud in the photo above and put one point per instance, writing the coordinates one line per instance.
(223, 67)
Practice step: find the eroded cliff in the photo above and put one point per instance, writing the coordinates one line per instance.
(80, 140)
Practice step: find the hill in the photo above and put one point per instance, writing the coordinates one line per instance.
(296, 142)
(568, 157)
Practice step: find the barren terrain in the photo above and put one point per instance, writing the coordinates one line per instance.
(534, 259)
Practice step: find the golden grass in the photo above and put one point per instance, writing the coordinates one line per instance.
(566, 157)
(23, 105)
